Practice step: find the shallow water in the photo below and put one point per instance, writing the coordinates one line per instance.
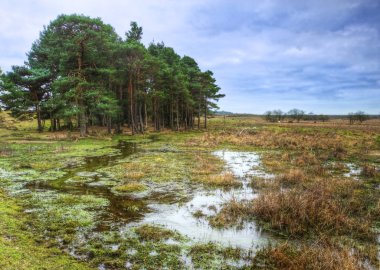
(163, 205)
(180, 216)
(354, 171)
(90, 182)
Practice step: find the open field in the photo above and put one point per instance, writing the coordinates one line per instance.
(244, 194)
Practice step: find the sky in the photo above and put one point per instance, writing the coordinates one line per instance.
(320, 56)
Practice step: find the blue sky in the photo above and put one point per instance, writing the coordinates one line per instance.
(319, 56)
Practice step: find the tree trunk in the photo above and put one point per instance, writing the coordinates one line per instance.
(205, 123)
(199, 113)
(145, 117)
(39, 123)
(83, 124)
(177, 120)
(109, 124)
(131, 111)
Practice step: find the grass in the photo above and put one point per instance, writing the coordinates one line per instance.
(134, 176)
(152, 166)
(208, 170)
(329, 206)
(131, 187)
(231, 213)
(155, 233)
(212, 256)
(369, 171)
(206, 165)
(21, 249)
(310, 198)
(293, 177)
(316, 257)
(225, 179)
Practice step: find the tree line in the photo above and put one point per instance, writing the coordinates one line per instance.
(359, 116)
(298, 115)
(80, 73)
(293, 115)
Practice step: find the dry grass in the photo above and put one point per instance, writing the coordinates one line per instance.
(230, 214)
(369, 171)
(225, 179)
(315, 257)
(134, 176)
(294, 176)
(261, 183)
(305, 158)
(155, 233)
(208, 170)
(280, 163)
(335, 143)
(217, 123)
(206, 165)
(328, 206)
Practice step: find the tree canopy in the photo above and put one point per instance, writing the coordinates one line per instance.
(80, 73)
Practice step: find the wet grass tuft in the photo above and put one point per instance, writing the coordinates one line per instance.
(231, 213)
(130, 187)
(316, 257)
(148, 232)
(319, 207)
(293, 177)
(225, 179)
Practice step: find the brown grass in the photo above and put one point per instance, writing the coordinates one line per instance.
(368, 171)
(206, 165)
(294, 176)
(313, 257)
(230, 214)
(207, 170)
(135, 176)
(149, 232)
(305, 158)
(324, 206)
(225, 179)
(336, 143)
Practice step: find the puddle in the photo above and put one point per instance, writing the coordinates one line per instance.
(163, 205)
(180, 216)
(171, 204)
(354, 171)
(82, 179)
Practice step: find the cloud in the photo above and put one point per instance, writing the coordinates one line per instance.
(321, 56)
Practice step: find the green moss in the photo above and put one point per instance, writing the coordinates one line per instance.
(149, 232)
(131, 187)
(156, 167)
(65, 213)
(170, 163)
(21, 249)
(212, 256)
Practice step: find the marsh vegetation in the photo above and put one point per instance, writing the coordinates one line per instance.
(244, 194)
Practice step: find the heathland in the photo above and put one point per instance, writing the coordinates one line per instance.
(241, 194)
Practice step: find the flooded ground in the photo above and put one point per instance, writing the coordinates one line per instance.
(154, 203)
(354, 171)
(83, 196)
(180, 216)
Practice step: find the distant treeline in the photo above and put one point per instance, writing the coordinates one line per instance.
(298, 115)
(81, 73)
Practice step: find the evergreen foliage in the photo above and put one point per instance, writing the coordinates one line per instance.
(81, 73)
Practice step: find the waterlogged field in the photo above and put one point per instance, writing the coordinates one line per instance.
(242, 195)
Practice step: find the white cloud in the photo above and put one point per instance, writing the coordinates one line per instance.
(263, 53)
